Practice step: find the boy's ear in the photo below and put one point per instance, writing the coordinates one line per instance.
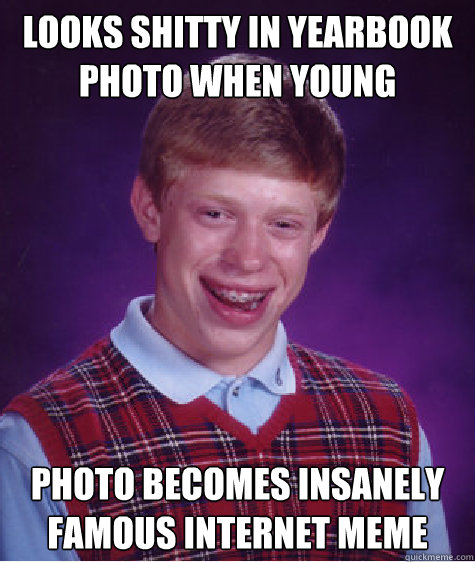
(320, 235)
(145, 210)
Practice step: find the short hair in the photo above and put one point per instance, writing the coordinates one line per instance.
(285, 137)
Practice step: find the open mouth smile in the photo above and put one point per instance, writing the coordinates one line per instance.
(238, 299)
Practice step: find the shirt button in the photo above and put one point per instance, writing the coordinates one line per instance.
(278, 378)
(236, 391)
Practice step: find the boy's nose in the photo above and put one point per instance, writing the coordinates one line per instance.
(246, 251)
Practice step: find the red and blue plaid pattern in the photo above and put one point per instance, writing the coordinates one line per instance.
(99, 411)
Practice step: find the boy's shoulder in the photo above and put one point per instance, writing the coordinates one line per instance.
(319, 365)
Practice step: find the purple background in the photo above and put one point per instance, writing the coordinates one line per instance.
(391, 289)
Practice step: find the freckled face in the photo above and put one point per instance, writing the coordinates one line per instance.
(233, 249)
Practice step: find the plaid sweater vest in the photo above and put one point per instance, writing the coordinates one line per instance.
(99, 411)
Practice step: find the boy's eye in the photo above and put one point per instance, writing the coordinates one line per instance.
(286, 228)
(213, 214)
(284, 224)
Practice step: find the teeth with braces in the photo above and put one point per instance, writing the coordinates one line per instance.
(241, 298)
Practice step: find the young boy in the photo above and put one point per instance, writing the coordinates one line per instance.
(235, 195)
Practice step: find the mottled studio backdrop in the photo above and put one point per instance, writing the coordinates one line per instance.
(393, 286)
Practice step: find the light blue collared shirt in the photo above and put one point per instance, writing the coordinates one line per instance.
(251, 399)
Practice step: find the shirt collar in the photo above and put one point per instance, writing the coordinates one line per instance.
(161, 363)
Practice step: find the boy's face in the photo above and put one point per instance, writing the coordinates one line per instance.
(232, 250)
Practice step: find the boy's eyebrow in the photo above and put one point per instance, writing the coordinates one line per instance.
(224, 199)
(217, 197)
